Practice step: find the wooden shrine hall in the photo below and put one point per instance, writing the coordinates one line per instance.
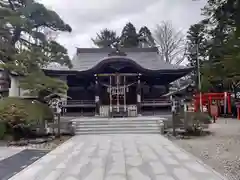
(112, 82)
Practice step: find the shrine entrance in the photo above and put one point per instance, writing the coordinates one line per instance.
(118, 93)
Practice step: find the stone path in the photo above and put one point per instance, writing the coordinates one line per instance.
(118, 157)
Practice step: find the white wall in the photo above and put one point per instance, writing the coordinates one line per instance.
(14, 90)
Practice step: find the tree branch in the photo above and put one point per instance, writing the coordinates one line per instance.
(11, 5)
(170, 41)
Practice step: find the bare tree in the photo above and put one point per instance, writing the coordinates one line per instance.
(170, 42)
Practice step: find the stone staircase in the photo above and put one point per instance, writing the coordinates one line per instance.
(137, 125)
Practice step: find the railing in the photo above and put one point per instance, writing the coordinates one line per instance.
(79, 103)
(145, 102)
(158, 102)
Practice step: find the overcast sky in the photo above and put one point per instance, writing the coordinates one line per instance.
(87, 17)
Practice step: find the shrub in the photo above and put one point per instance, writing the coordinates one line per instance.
(195, 121)
(202, 117)
(191, 117)
(32, 112)
(20, 113)
(2, 130)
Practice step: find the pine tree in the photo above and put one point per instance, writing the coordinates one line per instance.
(145, 37)
(106, 39)
(222, 18)
(196, 47)
(129, 36)
(24, 47)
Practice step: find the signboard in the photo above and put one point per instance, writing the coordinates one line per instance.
(58, 110)
(97, 99)
(56, 105)
(190, 107)
(120, 90)
(205, 109)
(214, 110)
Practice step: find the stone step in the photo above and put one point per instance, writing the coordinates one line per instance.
(140, 125)
(119, 119)
(115, 124)
(79, 126)
(118, 129)
(118, 132)
(104, 122)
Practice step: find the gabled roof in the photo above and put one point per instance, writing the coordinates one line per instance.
(146, 58)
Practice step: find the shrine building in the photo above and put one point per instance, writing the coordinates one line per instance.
(113, 82)
(110, 82)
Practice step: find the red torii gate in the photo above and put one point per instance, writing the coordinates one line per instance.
(207, 99)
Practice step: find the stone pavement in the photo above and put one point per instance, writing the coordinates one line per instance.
(118, 157)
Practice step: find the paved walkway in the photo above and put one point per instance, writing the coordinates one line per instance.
(117, 157)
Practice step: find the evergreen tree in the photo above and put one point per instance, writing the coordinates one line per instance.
(222, 19)
(145, 37)
(129, 36)
(106, 39)
(24, 47)
(196, 48)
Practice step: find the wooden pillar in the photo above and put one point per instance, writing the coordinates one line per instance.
(139, 95)
(118, 95)
(110, 94)
(97, 99)
(238, 113)
(124, 95)
(229, 105)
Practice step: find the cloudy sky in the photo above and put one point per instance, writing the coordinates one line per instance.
(87, 17)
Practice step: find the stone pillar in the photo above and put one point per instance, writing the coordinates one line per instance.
(139, 95)
(97, 99)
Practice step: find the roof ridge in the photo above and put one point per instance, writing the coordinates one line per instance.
(109, 50)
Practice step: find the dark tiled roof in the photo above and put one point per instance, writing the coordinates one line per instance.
(147, 58)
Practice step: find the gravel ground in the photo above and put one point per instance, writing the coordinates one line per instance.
(220, 150)
(43, 146)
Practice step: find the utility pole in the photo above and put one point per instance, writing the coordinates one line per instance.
(199, 78)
